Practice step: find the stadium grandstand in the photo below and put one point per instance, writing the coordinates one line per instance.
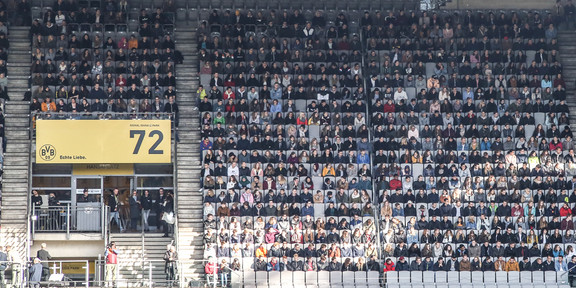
(287, 144)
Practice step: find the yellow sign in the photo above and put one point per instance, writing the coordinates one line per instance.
(103, 141)
(103, 169)
(77, 268)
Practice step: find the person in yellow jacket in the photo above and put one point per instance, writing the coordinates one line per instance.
(261, 251)
(328, 170)
(48, 105)
(512, 265)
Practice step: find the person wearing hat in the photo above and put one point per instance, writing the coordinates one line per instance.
(402, 264)
(409, 209)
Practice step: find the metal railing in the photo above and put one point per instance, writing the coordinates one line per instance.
(54, 273)
(68, 218)
(14, 272)
(103, 115)
(144, 273)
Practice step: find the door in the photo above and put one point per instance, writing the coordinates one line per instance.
(125, 185)
(87, 203)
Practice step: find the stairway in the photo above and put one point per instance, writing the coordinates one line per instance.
(567, 42)
(134, 250)
(189, 199)
(15, 180)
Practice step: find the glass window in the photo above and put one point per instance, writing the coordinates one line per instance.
(153, 168)
(51, 169)
(88, 183)
(62, 195)
(155, 181)
(50, 182)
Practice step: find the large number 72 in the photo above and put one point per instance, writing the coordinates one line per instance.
(141, 134)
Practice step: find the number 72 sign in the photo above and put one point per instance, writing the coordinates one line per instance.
(103, 141)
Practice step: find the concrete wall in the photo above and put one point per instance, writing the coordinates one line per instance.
(70, 249)
(500, 4)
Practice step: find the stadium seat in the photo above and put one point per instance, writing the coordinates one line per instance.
(537, 277)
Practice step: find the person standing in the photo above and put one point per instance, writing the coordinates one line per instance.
(111, 256)
(211, 270)
(114, 205)
(36, 273)
(3, 265)
(168, 209)
(54, 215)
(14, 259)
(85, 197)
(572, 271)
(44, 255)
(37, 202)
(134, 210)
(170, 267)
(224, 273)
(146, 202)
(159, 209)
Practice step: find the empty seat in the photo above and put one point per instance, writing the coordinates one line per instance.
(336, 277)
(261, 277)
(416, 277)
(550, 276)
(348, 278)
(298, 277)
(537, 277)
(311, 278)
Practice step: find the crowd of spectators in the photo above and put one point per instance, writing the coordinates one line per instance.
(448, 149)
(90, 60)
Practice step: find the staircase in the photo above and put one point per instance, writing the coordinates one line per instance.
(134, 250)
(189, 200)
(15, 180)
(567, 42)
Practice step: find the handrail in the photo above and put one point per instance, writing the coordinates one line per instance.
(29, 227)
(20, 268)
(175, 188)
(60, 219)
(368, 120)
(101, 115)
(25, 265)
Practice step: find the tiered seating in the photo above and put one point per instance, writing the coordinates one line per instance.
(474, 163)
(299, 196)
(90, 60)
(467, 134)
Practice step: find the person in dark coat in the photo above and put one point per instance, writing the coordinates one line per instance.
(44, 255)
(134, 210)
(146, 203)
(114, 205)
(168, 208)
(170, 268)
(159, 208)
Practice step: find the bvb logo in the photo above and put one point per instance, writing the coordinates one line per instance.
(47, 152)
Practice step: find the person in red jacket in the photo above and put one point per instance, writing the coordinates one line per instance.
(395, 183)
(111, 256)
(389, 265)
(565, 210)
(211, 270)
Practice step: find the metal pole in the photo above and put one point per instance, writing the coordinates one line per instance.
(87, 276)
(150, 274)
(103, 223)
(21, 276)
(68, 221)
(34, 220)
